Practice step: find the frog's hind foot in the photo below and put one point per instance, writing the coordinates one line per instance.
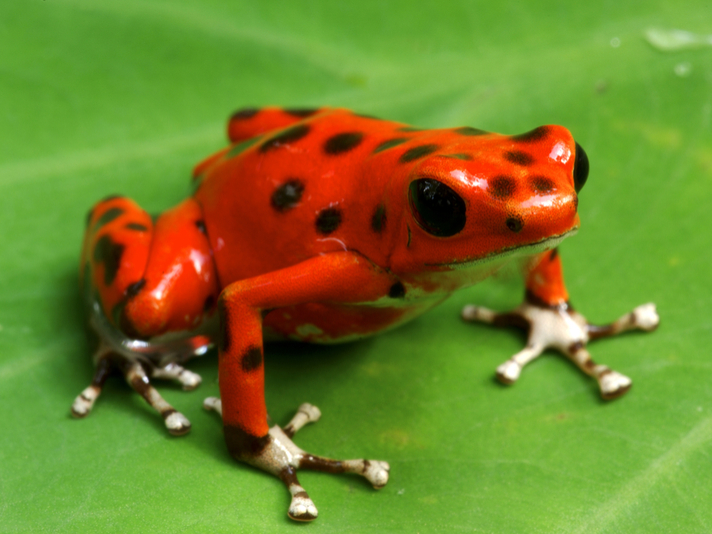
(563, 329)
(176, 423)
(138, 378)
(139, 362)
(276, 453)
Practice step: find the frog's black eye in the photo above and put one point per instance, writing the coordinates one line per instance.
(580, 168)
(437, 208)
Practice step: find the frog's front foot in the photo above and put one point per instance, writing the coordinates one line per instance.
(567, 331)
(277, 454)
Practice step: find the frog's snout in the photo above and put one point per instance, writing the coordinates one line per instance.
(580, 168)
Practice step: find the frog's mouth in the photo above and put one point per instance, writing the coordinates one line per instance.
(519, 250)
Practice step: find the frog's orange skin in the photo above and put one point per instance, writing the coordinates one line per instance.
(309, 227)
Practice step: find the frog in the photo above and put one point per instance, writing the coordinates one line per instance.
(324, 225)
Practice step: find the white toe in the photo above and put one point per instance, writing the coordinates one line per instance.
(377, 473)
(508, 372)
(177, 424)
(646, 316)
(614, 385)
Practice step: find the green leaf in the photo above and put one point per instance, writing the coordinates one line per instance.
(102, 97)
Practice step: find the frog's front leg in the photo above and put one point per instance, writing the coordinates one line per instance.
(340, 277)
(552, 323)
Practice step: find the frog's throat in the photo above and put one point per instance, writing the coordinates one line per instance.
(508, 253)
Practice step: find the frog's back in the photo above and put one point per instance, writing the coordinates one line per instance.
(292, 186)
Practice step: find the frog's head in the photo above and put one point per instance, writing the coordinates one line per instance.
(480, 197)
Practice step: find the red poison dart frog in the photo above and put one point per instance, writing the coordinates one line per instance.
(323, 225)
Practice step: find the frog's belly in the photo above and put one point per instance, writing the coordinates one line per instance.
(332, 323)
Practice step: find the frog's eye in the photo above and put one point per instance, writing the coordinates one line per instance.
(437, 208)
(580, 168)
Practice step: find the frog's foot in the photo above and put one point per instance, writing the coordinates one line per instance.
(563, 329)
(276, 453)
(176, 423)
(137, 377)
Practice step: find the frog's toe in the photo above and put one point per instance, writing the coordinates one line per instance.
(176, 423)
(646, 317)
(190, 380)
(508, 372)
(85, 401)
(376, 472)
(172, 371)
(613, 384)
(213, 404)
(301, 508)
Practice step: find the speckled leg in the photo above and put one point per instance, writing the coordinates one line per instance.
(176, 423)
(280, 456)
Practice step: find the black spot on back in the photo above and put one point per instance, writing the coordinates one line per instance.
(519, 158)
(252, 359)
(397, 291)
(536, 134)
(469, 131)
(554, 254)
(288, 136)
(138, 227)
(108, 253)
(378, 221)
(200, 225)
(133, 289)
(244, 114)
(343, 142)
(108, 216)
(542, 184)
(409, 129)
(417, 152)
(515, 224)
(328, 220)
(385, 145)
(463, 157)
(287, 195)
(502, 187)
(224, 338)
(301, 112)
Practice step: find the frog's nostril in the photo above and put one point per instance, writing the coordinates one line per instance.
(515, 224)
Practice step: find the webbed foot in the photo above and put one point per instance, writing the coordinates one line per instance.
(567, 331)
(277, 454)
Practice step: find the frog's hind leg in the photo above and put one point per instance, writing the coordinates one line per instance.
(139, 362)
(147, 325)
